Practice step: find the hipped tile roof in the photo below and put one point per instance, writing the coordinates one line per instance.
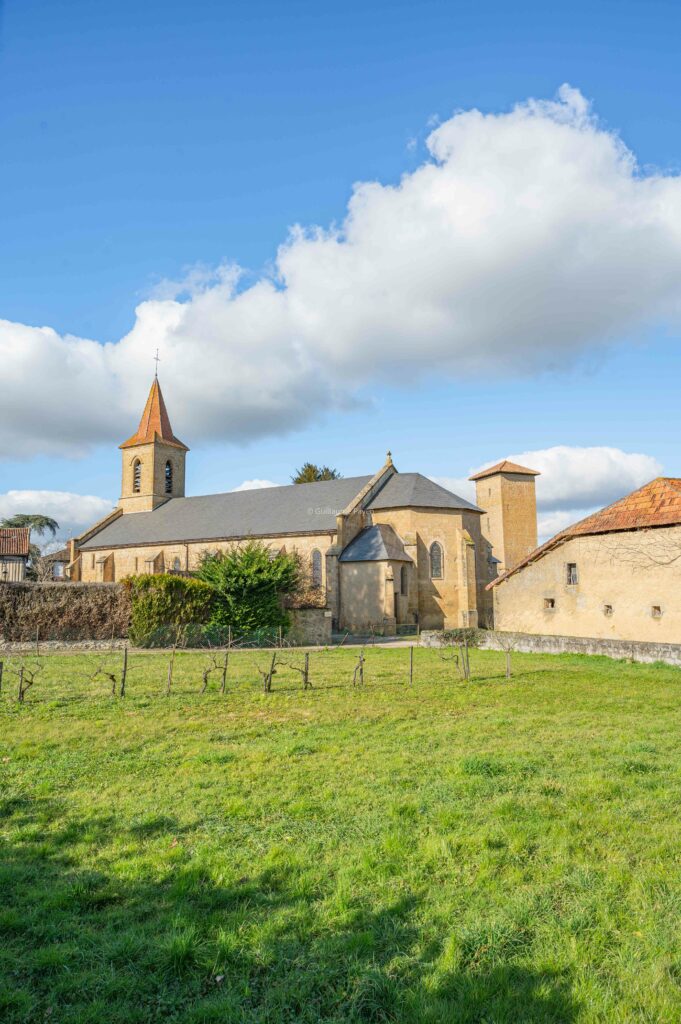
(504, 467)
(15, 541)
(155, 422)
(655, 504)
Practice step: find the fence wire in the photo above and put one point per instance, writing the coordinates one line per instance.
(221, 664)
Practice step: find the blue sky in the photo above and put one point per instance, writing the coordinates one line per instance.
(141, 140)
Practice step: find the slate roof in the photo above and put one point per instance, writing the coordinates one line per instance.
(155, 422)
(655, 504)
(504, 467)
(14, 541)
(375, 544)
(404, 490)
(296, 508)
(267, 511)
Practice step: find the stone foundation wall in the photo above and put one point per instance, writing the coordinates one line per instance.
(310, 627)
(63, 612)
(531, 643)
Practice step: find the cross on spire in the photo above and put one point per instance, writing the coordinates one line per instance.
(157, 360)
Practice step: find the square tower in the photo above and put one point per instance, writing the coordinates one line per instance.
(506, 493)
(153, 459)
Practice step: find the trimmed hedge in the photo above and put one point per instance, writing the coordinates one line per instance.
(162, 606)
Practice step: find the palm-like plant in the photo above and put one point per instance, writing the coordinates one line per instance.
(37, 523)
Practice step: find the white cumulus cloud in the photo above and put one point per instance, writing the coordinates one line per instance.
(523, 240)
(574, 481)
(73, 512)
(579, 478)
(255, 485)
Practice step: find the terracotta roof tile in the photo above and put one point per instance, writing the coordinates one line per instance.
(155, 422)
(14, 541)
(655, 504)
(504, 467)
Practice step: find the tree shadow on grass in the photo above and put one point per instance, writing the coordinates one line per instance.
(169, 941)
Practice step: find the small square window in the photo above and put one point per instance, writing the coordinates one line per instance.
(549, 604)
(607, 610)
(572, 579)
(656, 611)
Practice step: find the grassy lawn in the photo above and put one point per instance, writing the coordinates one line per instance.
(497, 851)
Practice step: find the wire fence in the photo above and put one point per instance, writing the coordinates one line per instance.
(222, 663)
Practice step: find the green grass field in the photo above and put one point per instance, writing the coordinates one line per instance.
(493, 851)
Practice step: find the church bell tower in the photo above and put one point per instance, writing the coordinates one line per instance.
(153, 459)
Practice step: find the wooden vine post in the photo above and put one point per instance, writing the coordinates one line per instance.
(225, 665)
(171, 664)
(124, 672)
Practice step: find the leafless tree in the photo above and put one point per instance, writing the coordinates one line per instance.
(508, 643)
(646, 549)
(27, 670)
(42, 567)
(105, 667)
(303, 669)
(268, 674)
(358, 674)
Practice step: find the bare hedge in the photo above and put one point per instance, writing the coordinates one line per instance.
(63, 611)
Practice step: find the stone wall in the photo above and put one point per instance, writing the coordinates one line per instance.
(530, 643)
(310, 627)
(63, 611)
(625, 586)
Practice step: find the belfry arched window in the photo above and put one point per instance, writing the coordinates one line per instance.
(316, 568)
(169, 477)
(436, 561)
(137, 476)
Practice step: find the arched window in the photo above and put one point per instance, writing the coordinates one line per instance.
(169, 477)
(137, 476)
(436, 561)
(177, 565)
(316, 568)
(404, 581)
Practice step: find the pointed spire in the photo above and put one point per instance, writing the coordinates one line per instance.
(155, 422)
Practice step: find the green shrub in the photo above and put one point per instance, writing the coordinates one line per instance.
(164, 607)
(250, 583)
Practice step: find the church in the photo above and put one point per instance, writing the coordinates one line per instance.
(384, 549)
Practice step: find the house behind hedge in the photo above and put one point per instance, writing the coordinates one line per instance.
(385, 549)
(14, 553)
